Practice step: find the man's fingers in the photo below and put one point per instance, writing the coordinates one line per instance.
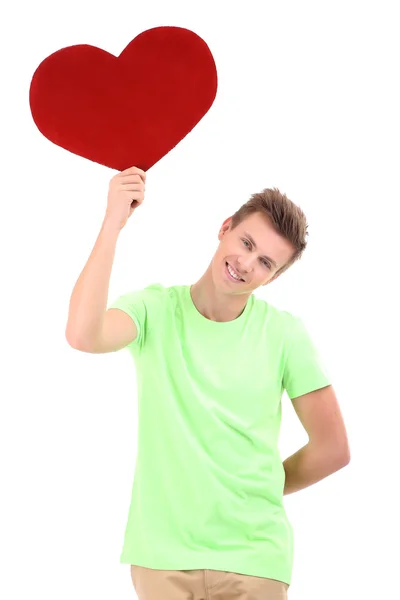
(131, 187)
(134, 171)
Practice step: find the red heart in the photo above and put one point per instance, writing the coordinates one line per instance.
(129, 110)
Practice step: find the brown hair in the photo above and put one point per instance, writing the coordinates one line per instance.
(286, 217)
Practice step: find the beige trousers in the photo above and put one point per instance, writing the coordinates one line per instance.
(204, 584)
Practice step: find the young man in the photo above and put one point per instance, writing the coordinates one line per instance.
(206, 518)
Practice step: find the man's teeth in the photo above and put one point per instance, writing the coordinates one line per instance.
(231, 272)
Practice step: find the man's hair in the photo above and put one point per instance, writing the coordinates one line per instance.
(286, 217)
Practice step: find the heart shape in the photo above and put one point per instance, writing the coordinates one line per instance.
(129, 110)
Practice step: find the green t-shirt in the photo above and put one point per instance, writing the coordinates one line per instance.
(208, 485)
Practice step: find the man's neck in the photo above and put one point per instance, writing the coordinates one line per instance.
(213, 304)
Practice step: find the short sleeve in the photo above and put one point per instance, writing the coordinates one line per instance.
(145, 308)
(304, 370)
(133, 304)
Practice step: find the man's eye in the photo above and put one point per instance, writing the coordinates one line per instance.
(245, 242)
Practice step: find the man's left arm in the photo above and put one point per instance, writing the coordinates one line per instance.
(327, 450)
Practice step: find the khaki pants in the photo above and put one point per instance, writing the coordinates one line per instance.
(204, 584)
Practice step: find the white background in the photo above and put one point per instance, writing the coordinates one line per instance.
(308, 101)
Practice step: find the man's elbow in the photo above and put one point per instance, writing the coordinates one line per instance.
(335, 456)
(346, 457)
(341, 456)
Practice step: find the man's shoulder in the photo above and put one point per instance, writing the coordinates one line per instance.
(159, 289)
(268, 310)
(157, 293)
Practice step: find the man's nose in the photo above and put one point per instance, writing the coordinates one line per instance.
(246, 263)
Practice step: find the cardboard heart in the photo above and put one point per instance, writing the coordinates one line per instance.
(129, 110)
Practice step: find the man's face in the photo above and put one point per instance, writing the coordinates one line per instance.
(253, 250)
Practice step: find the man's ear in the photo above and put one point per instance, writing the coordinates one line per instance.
(224, 228)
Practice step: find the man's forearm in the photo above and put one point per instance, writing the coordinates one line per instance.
(309, 465)
(88, 301)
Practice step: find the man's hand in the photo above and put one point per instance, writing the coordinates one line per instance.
(126, 193)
